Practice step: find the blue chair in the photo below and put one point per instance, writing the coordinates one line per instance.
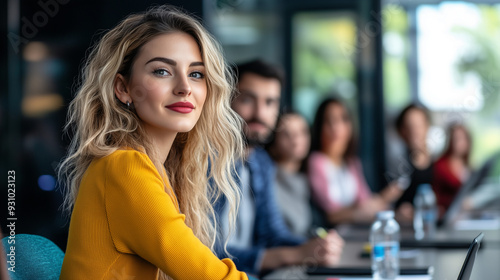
(36, 257)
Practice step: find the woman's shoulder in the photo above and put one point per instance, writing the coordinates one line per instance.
(125, 152)
(354, 162)
(442, 159)
(124, 167)
(317, 156)
(441, 163)
(123, 158)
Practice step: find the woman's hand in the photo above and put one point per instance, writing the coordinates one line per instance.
(367, 210)
(325, 251)
(392, 192)
(404, 213)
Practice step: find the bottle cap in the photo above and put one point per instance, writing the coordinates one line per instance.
(385, 215)
(424, 188)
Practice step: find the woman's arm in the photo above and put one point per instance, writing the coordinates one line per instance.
(366, 205)
(143, 220)
(343, 215)
(318, 179)
(364, 211)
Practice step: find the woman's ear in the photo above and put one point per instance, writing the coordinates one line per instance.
(121, 90)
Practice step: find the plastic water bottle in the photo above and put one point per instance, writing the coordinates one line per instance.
(425, 212)
(384, 238)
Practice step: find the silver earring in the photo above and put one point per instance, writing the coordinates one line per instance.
(128, 105)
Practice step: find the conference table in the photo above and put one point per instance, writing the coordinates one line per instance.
(446, 262)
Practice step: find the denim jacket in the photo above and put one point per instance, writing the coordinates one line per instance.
(269, 229)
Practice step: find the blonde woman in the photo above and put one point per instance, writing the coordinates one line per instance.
(152, 111)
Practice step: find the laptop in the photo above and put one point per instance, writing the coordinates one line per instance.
(472, 183)
(465, 271)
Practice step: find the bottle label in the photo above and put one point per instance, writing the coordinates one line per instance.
(395, 250)
(429, 216)
(380, 250)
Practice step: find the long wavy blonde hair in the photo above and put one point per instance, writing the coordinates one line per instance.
(101, 124)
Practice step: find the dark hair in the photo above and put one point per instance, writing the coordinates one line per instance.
(400, 120)
(284, 112)
(319, 119)
(270, 146)
(261, 68)
(451, 129)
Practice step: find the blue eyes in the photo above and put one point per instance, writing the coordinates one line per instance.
(197, 75)
(160, 72)
(164, 72)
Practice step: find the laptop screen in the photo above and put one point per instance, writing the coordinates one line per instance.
(466, 270)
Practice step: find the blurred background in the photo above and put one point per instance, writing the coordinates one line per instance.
(376, 55)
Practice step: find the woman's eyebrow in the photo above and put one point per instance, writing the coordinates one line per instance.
(173, 62)
(164, 60)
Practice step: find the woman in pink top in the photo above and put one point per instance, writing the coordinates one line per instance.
(338, 185)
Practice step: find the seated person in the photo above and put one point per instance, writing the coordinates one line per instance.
(288, 149)
(140, 202)
(335, 173)
(452, 169)
(416, 165)
(487, 194)
(262, 241)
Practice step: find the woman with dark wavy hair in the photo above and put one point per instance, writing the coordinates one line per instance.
(338, 185)
(452, 169)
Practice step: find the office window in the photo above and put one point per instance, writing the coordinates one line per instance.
(396, 50)
(459, 64)
(446, 57)
(323, 61)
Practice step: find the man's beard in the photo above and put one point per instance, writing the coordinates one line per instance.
(254, 139)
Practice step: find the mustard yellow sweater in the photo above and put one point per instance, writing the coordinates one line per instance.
(125, 226)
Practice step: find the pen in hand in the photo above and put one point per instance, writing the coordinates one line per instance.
(321, 232)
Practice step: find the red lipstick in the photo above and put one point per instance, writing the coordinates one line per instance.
(181, 107)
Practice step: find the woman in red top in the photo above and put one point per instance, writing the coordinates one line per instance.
(452, 169)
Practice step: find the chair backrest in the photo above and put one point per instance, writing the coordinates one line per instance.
(33, 256)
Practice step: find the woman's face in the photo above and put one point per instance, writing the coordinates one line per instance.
(167, 83)
(459, 142)
(292, 138)
(336, 132)
(414, 130)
